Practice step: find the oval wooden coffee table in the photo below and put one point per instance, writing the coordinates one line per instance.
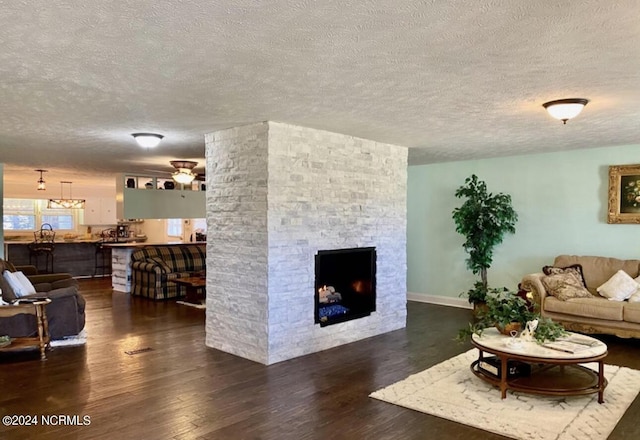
(553, 371)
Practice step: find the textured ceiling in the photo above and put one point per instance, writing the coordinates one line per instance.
(452, 80)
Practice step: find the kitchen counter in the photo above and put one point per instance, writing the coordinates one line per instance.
(134, 244)
(94, 240)
(75, 257)
(120, 240)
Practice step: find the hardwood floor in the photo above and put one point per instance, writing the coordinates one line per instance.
(182, 390)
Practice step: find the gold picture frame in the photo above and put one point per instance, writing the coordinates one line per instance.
(624, 194)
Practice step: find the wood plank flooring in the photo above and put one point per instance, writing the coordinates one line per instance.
(182, 390)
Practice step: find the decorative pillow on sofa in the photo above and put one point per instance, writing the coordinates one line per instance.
(635, 296)
(619, 287)
(565, 286)
(19, 283)
(574, 268)
(27, 287)
(160, 262)
(8, 294)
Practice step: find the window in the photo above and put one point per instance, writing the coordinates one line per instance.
(174, 227)
(200, 225)
(19, 215)
(58, 218)
(29, 215)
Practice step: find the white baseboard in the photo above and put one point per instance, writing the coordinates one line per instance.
(439, 300)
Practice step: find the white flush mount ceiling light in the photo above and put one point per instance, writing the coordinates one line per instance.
(565, 109)
(184, 174)
(65, 203)
(41, 183)
(147, 140)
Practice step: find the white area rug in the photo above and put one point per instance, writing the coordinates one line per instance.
(71, 341)
(451, 391)
(197, 306)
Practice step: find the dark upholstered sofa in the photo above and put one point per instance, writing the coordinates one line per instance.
(65, 313)
(153, 268)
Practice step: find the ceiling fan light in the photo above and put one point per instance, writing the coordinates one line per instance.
(184, 173)
(147, 140)
(565, 109)
(183, 176)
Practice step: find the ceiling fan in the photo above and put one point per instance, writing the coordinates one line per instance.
(184, 171)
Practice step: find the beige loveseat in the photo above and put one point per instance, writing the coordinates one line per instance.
(593, 314)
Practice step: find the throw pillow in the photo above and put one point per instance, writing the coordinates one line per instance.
(8, 294)
(574, 268)
(635, 296)
(27, 287)
(619, 287)
(565, 286)
(14, 282)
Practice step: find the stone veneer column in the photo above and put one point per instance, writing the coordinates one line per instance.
(276, 194)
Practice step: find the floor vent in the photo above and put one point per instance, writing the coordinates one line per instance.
(138, 351)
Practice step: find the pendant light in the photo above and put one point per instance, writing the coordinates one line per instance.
(41, 183)
(62, 203)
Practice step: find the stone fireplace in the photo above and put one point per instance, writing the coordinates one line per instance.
(345, 286)
(279, 196)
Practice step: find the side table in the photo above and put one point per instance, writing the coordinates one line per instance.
(38, 309)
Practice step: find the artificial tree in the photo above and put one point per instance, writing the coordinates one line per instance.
(484, 219)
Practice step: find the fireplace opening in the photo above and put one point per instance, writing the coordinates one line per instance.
(345, 285)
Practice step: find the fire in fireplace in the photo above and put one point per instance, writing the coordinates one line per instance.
(345, 285)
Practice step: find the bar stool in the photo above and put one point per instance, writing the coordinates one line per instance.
(102, 261)
(43, 245)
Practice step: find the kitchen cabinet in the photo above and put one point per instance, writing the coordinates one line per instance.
(100, 211)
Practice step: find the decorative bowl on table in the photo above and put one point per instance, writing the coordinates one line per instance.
(69, 237)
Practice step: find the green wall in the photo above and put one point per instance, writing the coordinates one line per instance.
(561, 201)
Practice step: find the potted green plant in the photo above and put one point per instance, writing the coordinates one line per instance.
(506, 311)
(477, 296)
(547, 330)
(484, 218)
(509, 312)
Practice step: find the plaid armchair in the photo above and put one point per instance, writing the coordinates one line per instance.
(153, 267)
